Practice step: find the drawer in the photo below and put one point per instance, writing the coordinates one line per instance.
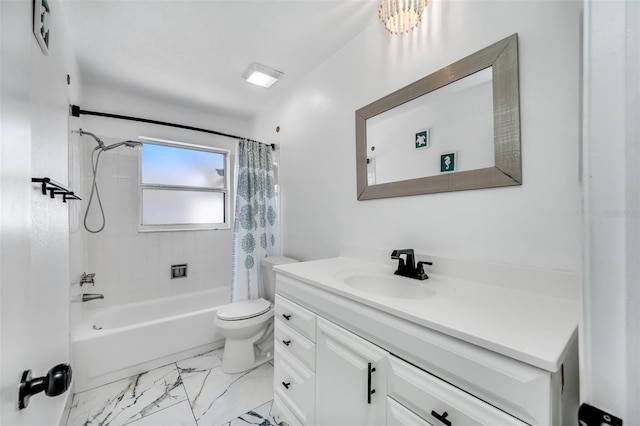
(295, 385)
(282, 414)
(296, 317)
(296, 344)
(430, 397)
(399, 415)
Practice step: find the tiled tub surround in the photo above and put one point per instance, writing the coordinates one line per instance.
(189, 392)
(513, 347)
(148, 334)
(143, 259)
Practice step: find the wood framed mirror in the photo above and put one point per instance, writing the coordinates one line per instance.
(446, 125)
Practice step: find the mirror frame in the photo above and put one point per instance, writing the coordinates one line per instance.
(503, 58)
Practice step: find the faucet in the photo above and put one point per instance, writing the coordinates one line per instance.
(87, 279)
(89, 296)
(407, 267)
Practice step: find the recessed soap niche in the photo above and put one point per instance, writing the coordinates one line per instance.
(179, 271)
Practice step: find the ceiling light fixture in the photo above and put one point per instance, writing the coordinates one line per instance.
(261, 75)
(401, 16)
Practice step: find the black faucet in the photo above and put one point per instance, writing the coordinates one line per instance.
(408, 268)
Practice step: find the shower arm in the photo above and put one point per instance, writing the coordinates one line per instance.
(102, 146)
(82, 132)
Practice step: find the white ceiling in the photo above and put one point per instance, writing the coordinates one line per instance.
(193, 52)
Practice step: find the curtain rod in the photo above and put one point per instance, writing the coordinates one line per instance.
(76, 111)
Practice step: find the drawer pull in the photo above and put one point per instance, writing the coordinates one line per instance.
(442, 417)
(286, 342)
(286, 385)
(287, 317)
(369, 390)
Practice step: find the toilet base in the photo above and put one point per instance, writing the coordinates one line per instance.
(240, 356)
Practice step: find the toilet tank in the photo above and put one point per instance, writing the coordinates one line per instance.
(268, 275)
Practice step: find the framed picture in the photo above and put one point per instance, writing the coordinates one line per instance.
(422, 139)
(41, 23)
(448, 162)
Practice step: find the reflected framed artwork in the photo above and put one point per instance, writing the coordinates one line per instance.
(41, 23)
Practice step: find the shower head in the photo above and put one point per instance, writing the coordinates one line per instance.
(130, 144)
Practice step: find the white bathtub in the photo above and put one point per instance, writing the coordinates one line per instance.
(119, 341)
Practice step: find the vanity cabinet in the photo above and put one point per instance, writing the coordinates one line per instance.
(339, 361)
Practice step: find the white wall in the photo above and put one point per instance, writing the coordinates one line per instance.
(34, 257)
(132, 266)
(536, 224)
(610, 330)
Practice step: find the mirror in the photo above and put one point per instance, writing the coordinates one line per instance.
(453, 130)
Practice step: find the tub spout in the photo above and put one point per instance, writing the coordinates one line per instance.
(88, 296)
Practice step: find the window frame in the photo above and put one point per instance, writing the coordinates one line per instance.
(226, 224)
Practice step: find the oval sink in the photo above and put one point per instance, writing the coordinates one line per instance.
(389, 286)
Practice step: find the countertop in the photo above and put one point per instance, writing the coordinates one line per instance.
(529, 327)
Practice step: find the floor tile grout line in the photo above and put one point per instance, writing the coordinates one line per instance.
(124, 378)
(187, 400)
(195, 420)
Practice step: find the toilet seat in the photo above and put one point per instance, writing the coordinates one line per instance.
(244, 309)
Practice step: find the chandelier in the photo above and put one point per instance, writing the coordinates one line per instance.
(401, 16)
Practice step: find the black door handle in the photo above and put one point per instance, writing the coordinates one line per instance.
(286, 385)
(286, 342)
(442, 417)
(287, 317)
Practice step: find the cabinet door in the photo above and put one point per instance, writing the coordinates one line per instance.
(351, 378)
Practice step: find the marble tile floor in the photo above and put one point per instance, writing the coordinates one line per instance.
(192, 392)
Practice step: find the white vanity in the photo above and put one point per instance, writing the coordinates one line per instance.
(356, 345)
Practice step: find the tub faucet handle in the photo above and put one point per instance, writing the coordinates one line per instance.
(87, 279)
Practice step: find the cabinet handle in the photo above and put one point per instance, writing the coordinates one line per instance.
(287, 317)
(369, 390)
(286, 385)
(286, 342)
(442, 417)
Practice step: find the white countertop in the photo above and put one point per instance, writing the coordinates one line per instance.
(529, 327)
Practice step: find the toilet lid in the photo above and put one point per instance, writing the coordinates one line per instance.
(244, 309)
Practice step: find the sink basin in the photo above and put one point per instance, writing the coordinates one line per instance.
(387, 285)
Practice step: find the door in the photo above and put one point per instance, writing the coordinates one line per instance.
(351, 378)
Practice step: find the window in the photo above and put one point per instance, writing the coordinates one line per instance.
(183, 186)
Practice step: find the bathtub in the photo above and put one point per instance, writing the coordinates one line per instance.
(115, 342)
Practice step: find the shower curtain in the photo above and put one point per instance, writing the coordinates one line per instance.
(254, 235)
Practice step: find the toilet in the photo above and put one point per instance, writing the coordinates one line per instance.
(248, 325)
